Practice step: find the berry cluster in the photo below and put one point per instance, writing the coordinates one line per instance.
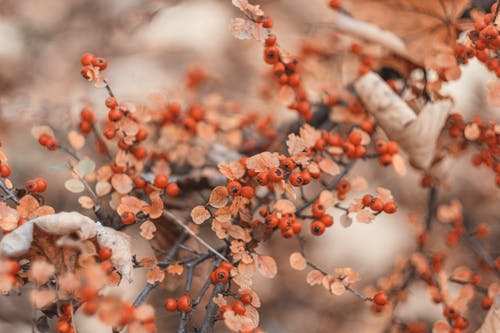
(91, 65)
(485, 42)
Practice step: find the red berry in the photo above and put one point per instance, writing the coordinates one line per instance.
(105, 253)
(161, 181)
(86, 59)
(239, 308)
(317, 228)
(380, 298)
(172, 190)
(127, 217)
(184, 304)
(4, 170)
(234, 188)
(170, 304)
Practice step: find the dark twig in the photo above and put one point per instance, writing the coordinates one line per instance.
(10, 195)
(210, 314)
(333, 185)
(493, 19)
(170, 255)
(431, 207)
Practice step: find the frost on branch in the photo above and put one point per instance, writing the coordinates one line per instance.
(417, 134)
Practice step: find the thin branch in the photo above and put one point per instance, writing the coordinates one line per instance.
(431, 207)
(333, 185)
(210, 314)
(10, 195)
(149, 287)
(495, 15)
(181, 224)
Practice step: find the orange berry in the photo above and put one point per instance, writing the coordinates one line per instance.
(355, 138)
(110, 102)
(296, 227)
(173, 190)
(246, 298)
(43, 139)
(486, 303)
(317, 228)
(115, 114)
(390, 207)
(86, 59)
(106, 266)
(226, 265)
(335, 4)
(482, 230)
(271, 55)
(109, 132)
(380, 298)
(4, 170)
(30, 185)
(450, 312)
(318, 209)
(184, 304)
(296, 179)
(90, 307)
(85, 127)
(239, 308)
(247, 192)
(262, 178)
(139, 152)
(377, 205)
(101, 63)
(392, 147)
(306, 177)
(327, 220)
(220, 275)
(62, 327)
(367, 126)
(385, 159)
(343, 186)
(123, 145)
(288, 164)
(88, 115)
(105, 253)
(275, 174)
(367, 199)
(271, 221)
(381, 147)
(270, 41)
(170, 304)
(161, 181)
(52, 144)
(127, 217)
(223, 309)
(234, 188)
(139, 182)
(142, 134)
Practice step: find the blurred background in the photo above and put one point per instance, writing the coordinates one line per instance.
(149, 46)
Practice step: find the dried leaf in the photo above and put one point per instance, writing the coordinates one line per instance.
(122, 183)
(314, 277)
(148, 229)
(42, 298)
(200, 214)
(218, 197)
(155, 275)
(74, 185)
(175, 269)
(232, 170)
(246, 29)
(86, 202)
(76, 140)
(85, 167)
(345, 220)
(365, 216)
(337, 287)
(266, 266)
(41, 271)
(472, 132)
(297, 261)
(329, 166)
(399, 164)
(263, 161)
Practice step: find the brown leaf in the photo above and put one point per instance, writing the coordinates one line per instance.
(154, 275)
(263, 161)
(419, 23)
(76, 140)
(122, 183)
(200, 214)
(175, 269)
(232, 170)
(329, 166)
(297, 261)
(218, 197)
(148, 229)
(266, 266)
(314, 277)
